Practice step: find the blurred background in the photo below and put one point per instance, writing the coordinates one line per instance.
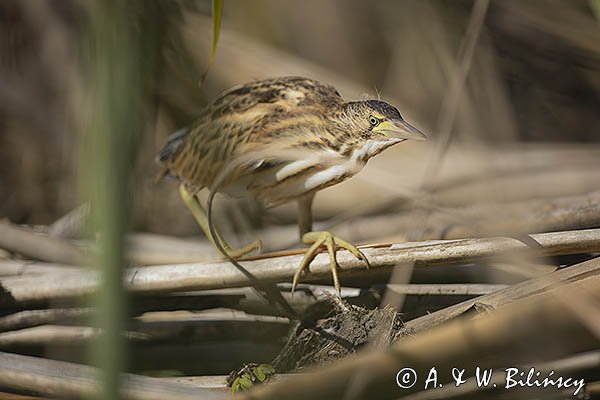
(507, 90)
(534, 77)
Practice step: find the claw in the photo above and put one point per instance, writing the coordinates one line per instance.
(199, 214)
(310, 255)
(255, 246)
(332, 243)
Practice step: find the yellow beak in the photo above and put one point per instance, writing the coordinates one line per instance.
(400, 129)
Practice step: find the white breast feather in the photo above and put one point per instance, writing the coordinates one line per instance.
(292, 169)
(320, 178)
(371, 147)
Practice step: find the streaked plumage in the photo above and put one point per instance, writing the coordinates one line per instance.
(292, 131)
(282, 139)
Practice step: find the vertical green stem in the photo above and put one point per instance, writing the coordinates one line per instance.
(113, 114)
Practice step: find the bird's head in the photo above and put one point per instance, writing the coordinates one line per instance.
(375, 125)
(378, 120)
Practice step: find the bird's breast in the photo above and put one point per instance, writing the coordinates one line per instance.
(287, 180)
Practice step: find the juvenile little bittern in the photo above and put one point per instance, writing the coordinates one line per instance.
(281, 139)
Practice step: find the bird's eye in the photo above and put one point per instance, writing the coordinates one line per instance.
(373, 120)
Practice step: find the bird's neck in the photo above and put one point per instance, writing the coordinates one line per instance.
(364, 150)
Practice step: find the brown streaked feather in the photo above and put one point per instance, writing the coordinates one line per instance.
(280, 139)
(287, 92)
(245, 119)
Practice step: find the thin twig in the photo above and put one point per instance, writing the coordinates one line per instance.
(181, 277)
(31, 318)
(27, 242)
(62, 379)
(445, 289)
(506, 296)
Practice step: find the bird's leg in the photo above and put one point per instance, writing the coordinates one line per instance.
(319, 239)
(199, 214)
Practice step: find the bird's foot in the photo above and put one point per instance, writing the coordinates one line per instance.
(251, 247)
(199, 214)
(333, 244)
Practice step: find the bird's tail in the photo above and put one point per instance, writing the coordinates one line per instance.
(174, 142)
(161, 174)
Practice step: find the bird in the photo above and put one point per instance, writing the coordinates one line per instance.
(281, 140)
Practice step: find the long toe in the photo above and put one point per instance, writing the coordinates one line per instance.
(333, 244)
(254, 246)
(332, 249)
(351, 248)
(310, 255)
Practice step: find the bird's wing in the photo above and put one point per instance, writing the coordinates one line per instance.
(279, 94)
(265, 172)
(254, 118)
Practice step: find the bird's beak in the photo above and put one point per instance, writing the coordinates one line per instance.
(400, 129)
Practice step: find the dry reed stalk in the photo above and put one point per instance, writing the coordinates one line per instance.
(506, 296)
(217, 275)
(26, 241)
(62, 379)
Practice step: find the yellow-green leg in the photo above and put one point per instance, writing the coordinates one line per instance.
(199, 214)
(333, 244)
